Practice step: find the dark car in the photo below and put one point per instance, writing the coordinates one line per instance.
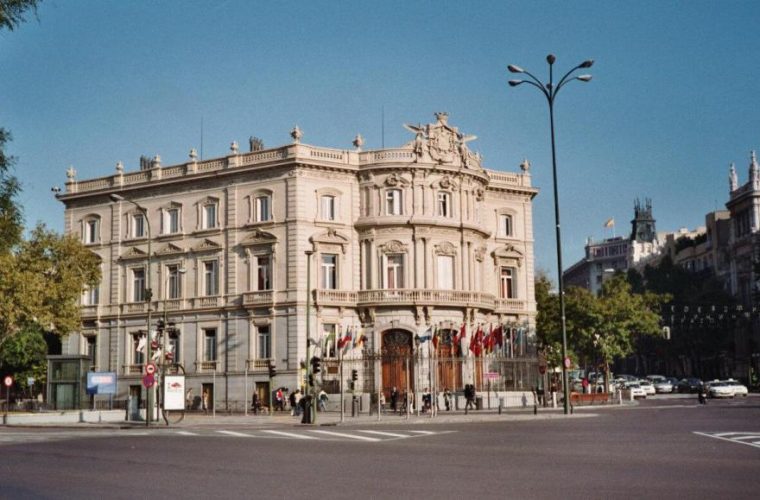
(689, 385)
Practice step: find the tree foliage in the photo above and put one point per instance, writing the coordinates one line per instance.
(10, 214)
(24, 355)
(12, 12)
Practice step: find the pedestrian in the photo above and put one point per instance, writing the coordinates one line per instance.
(447, 398)
(469, 395)
(205, 401)
(427, 401)
(279, 400)
(189, 399)
(322, 400)
(584, 384)
(382, 402)
(255, 404)
(394, 399)
(297, 400)
(292, 401)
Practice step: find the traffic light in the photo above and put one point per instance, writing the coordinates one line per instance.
(160, 325)
(354, 375)
(272, 371)
(315, 362)
(311, 380)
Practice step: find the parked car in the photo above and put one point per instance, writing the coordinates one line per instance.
(663, 387)
(648, 387)
(655, 378)
(689, 385)
(626, 378)
(636, 390)
(739, 388)
(673, 381)
(720, 390)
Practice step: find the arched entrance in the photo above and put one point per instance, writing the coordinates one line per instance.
(449, 362)
(398, 362)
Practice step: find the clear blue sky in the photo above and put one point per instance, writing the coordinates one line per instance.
(674, 97)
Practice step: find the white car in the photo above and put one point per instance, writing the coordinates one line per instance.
(648, 387)
(721, 390)
(636, 390)
(663, 386)
(739, 388)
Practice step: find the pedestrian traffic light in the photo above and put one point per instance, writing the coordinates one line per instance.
(315, 362)
(160, 325)
(311, 380)
(272, 371)
(354, 375)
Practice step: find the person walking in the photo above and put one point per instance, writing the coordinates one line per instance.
(292, 401)
(297, 400)
(447, 398)
(279, 400)
(205, 401)
(322, 401)
(255, 404)
(394, 399)
(469, 395)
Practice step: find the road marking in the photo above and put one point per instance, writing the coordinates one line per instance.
(236, 434)
(186, 433)
(740, 436)
(289, 434)
(427, 433)
(350, 436)
(391, 434)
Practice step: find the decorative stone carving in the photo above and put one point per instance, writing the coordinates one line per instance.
(330, 237)
(441, 142)
(207, 246)
(393, 246)
(525, 165)
(134, 253)
(296, 134)
(255, 144)
(193, 155)
(259, 237)
(479, 193)
(480, 253)
(170, 249)
(358, 142)
(71, 173)
(445, 248)
(733, 181)
(234, 147)
(119, 168)
(156, 162)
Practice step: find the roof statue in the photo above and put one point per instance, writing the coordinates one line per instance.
(442, 143)
(733, 181)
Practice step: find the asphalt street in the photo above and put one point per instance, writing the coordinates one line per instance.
(666, 447)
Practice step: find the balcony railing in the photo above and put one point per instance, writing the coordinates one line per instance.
(259, 365)
(426, 297)
(89, 311)
(204, 302)
(335, 298)
(260, 297)
(511, 305)
(133, 369)
(207, 366)
(134, 307)
(173, 305)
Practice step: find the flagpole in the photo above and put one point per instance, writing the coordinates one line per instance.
(342, 402)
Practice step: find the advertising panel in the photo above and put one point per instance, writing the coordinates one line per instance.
(101, 383)
(174, 392)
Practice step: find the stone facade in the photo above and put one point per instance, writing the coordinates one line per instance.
(398, 239)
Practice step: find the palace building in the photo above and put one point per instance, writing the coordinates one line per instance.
(257, 256)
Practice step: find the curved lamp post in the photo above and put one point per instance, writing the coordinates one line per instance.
(549, 90)
(116, 198)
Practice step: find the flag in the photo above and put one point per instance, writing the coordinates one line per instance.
(475, 343)
(345, 340)
(498, 335)
(361, 339)
(462, 336)
(329, 340)
(141, 344)
(610, 222)
(428, 335)
(436, 334)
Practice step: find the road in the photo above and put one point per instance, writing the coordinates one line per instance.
(660, 448)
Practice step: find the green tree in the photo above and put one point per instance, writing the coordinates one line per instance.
(24, 355)
(12, 12)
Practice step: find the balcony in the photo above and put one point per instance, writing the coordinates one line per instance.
(89, 311)
(419, 297)
(206, 302)
(134, 308)
(173, 305)
(341, 298)
(511, 306)
(259, 365)
(258, 298)
(133, 369)
(207, 366)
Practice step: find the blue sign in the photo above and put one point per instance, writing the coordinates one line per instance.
(101, 383)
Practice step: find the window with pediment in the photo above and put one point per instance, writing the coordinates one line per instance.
(260, 206)
(444, 204)
(171, 219)
(393, 202)
(209, 213)
(91, 230)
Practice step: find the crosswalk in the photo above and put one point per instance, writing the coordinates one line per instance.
(356, 435)
(748, 438)
(320, 434)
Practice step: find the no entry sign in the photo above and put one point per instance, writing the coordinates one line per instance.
(8, 381)
(150, 368)
(149, 381)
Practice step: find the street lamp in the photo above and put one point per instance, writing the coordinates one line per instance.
(309, 381)
(549, 90)
(148, 297)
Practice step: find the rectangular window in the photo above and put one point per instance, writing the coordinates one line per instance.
(263, 212)
(394, 271)
(210, 278)
(444, 204)
(138, 226)
(329, 272)
(445, 272)
(505, 224)
(91, 231)
(264, 342)
(171, 221)
(507, 287)
(91, 296)
(393, 202)
(138, 285)
(92, 349)
(173, 284)
(328, 207)
(329, 340)
(173, 346)
(209, 216)
(209, 344)
(138, 348)
(263, 273)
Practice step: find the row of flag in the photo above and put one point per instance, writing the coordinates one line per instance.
(484, 341)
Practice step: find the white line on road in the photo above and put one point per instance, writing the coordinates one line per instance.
(289, 434)
(236, 434)
(351, 436)
(427, 433)
(754, 445)
(390, 434)
(186, 433)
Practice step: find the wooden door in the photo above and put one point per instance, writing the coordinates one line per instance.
(398, 362)
(449, 363)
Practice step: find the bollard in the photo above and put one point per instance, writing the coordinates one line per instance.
(501, 404)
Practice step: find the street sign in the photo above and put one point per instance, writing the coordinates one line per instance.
(150, 368)
(149, 381)
(491, 375)
(567, 362)
(8, 381)
(30, 381)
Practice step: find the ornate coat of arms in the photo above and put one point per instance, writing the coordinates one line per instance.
(442, 142)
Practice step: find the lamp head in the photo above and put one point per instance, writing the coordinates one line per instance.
(551, 58)
(584, 78)
(515, 83)
(515, 69)
(116, 197)
(587, 63)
